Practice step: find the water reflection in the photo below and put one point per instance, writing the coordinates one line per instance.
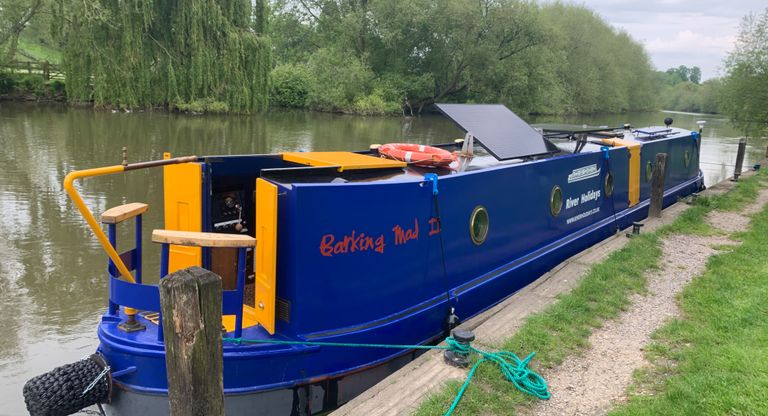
(52, 285)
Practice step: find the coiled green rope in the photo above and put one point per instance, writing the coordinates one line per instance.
(512, 367)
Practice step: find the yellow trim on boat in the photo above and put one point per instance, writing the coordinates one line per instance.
(634, 167)
(183, 209)
(69, 187)
(86, 213)
(265, 255)
(249, 319)
(344, 160)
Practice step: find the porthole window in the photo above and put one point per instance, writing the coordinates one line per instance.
(609, 184)
(556, 201)
(687, 158)
(478, 225)
(648, 171)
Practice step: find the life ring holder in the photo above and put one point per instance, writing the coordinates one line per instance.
(417, 154)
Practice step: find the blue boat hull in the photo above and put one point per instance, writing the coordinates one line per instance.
(369, 262)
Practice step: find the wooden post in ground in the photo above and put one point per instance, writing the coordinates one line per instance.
(740, 158)
(657, 186)
(190, 300)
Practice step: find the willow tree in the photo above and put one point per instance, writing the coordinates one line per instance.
(165, 53)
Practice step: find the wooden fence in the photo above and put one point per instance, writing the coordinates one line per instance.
(44, 68)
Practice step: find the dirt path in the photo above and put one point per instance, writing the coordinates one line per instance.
(592, 383)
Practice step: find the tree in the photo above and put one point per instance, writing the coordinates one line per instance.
(14, 17)
(204, 55)
(745, 88)
(536, 59)
(695, 75)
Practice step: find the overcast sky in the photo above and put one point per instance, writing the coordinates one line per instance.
(680, 32)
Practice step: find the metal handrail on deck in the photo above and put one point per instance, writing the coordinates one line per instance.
(93, 224)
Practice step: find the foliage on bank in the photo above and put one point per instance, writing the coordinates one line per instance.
(159, 53)
(30, 87)
(745, 87)
(381, 57)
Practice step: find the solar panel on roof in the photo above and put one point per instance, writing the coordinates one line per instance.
(497, 128)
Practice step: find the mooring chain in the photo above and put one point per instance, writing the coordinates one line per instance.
(96, 380)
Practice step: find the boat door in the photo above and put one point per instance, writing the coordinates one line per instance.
(265, 257)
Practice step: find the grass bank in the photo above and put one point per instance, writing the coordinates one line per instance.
(713, 359)
(564, 328)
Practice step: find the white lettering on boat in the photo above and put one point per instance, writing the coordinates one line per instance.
(586, 172)
(591, 195)
(583, 215)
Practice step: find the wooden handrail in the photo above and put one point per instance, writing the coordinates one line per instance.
(196, 239)
(118, 214)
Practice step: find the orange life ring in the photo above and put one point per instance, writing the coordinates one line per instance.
(417, 154)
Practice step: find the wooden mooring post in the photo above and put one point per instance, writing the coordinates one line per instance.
(657, 186)
(190, 301)
(739, 159)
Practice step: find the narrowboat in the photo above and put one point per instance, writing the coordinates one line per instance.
(354, 247)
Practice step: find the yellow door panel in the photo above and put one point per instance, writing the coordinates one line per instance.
(266, 254)
(634, 167)
(183, 189)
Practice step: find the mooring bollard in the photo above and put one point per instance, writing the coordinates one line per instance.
(635, 229)
(657, 186)
(739, 159)
(456, 358)
(190, 300)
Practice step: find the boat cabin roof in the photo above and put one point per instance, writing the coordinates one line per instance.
(497, 137)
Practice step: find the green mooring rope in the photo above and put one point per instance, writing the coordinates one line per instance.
(512, 367)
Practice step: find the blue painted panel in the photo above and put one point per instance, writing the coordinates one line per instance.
(346, 235)
(141, 297)
(231, 302)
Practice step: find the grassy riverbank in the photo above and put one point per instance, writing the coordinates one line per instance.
(712, 360)
(564, 328)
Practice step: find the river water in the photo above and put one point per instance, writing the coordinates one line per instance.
(52, 285)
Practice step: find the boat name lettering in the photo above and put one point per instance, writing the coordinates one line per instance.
(350, 243)
(591, 195)
(582, 173)
(330, 245)
(403, 235)
(434, 226)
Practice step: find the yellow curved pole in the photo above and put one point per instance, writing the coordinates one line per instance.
(78, 200)
(86, 213)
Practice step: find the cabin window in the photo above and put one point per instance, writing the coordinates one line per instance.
(687, 158)
(609, 184)
(648, 171)
(556, 201)
(478, 225)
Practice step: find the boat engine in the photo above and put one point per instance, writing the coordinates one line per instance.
(69, 388)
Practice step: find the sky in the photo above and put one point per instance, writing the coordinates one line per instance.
(680, 32)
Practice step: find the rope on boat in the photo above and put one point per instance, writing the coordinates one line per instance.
(512, 367)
